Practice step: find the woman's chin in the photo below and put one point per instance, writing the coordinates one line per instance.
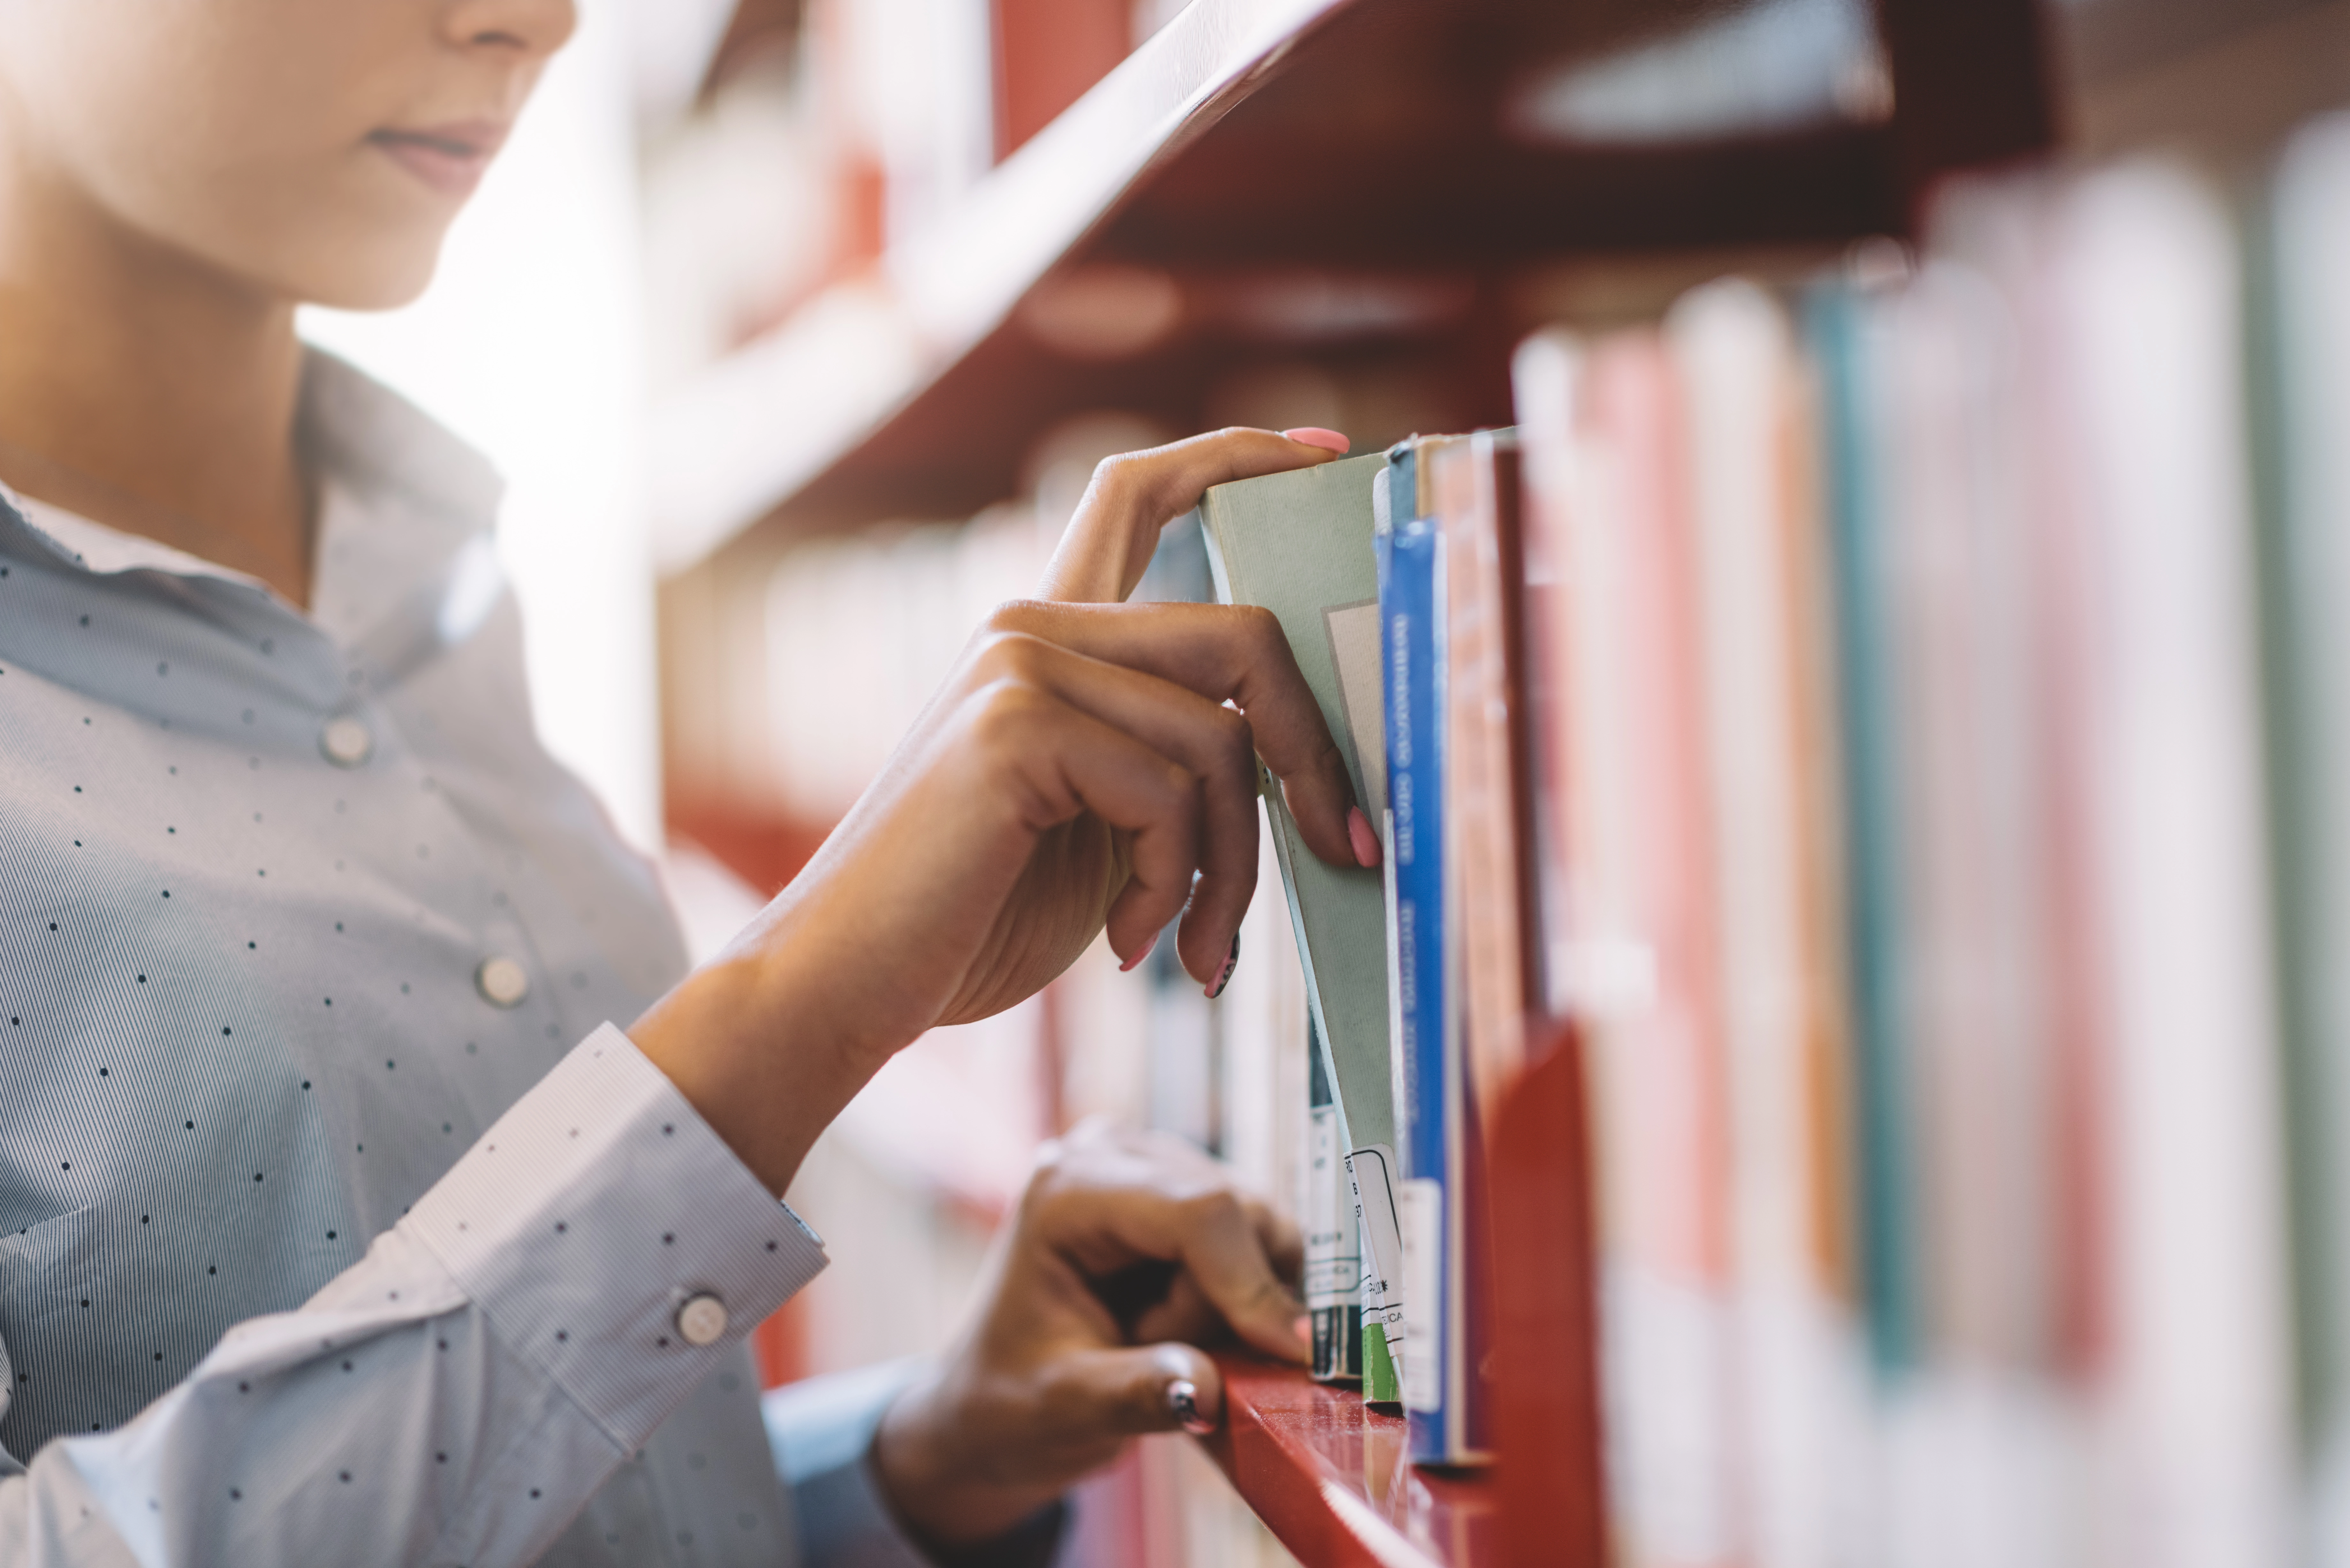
(370, 278)
(377, 262)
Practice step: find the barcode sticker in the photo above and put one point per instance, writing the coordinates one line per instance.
(1423, 1259)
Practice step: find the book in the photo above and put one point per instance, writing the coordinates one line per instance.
(1334, 1252)
(1635, 963)
(1843, 331)
(2144, 353)
(1735, 355)
(1406, 549)
(1299, 544)
(1470, 487)
(1445, 1254)
(2302, 397)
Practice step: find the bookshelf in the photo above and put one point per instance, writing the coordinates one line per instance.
(1349, 185)
(1244, 174)
(1338, 182)
(914, 388)
(1330, 1477)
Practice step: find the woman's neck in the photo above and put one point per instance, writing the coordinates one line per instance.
(147, 389)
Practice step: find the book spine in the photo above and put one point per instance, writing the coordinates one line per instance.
(1334, 1252)
(2303, 373)
(1843, 335)
(2146, 293)
(1370, 1177)
(1417, 797)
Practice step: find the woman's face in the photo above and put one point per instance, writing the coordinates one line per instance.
(317, 149)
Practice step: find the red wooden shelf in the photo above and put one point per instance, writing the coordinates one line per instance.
(1332, 1479)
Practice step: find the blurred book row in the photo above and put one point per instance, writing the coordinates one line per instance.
(1893, 726)
(1890, 725)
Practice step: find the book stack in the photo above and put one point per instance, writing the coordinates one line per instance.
(1886, 733)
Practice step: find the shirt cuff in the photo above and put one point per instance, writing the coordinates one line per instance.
(610, 1236)
(822, 1430)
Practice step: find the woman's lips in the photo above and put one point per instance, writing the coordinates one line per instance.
(449, 158)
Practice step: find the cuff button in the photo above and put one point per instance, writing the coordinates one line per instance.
(702, 1320)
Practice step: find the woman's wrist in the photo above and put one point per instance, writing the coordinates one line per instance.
(762, 1071)
(923, 1459)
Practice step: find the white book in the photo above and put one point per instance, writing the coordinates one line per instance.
(2144, 307)
(1793, 1341)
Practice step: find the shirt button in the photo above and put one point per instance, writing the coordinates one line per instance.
(702, 1320)
(502, 982)
(346, 741)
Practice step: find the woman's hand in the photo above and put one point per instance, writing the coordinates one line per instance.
(1079, 768)
(1126, 1251)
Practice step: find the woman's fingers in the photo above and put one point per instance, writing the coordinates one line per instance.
(1186, 1313)
(1132, 497)
(1207, 738)
(1234, 653)
(1113, 1202)
(1065, 762)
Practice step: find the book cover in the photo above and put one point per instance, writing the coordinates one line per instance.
(1299, 544)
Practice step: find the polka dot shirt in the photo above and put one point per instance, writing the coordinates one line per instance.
(336, 1223)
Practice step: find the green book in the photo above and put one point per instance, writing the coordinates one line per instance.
(2300, 391)
(1299, 545)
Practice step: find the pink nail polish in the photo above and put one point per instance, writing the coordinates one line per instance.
(1360, 834)
(1314, 435)
(1146, 950)
(1223, 976)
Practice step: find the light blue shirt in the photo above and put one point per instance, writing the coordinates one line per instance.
(338, 1223)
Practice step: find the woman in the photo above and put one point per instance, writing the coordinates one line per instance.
(337, 1222)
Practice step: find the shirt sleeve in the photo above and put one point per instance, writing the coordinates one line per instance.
(457, 1394)
(822, 1431)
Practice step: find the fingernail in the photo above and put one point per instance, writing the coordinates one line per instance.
(1183, 1404)
(1138, 957)
(1303, 1328)
(1360, 834)
(1314, 435)
(1224, 975)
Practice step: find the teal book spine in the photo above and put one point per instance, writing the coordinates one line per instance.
(1839, 321)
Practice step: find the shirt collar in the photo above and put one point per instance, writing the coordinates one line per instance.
(406, 469)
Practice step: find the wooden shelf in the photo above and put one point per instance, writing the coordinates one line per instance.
(1255, 150)
(1330, 1477)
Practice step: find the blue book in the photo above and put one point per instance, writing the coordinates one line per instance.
(1410, 554)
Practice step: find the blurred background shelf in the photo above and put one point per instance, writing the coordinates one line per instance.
(1277, 213)
(1361, 186)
